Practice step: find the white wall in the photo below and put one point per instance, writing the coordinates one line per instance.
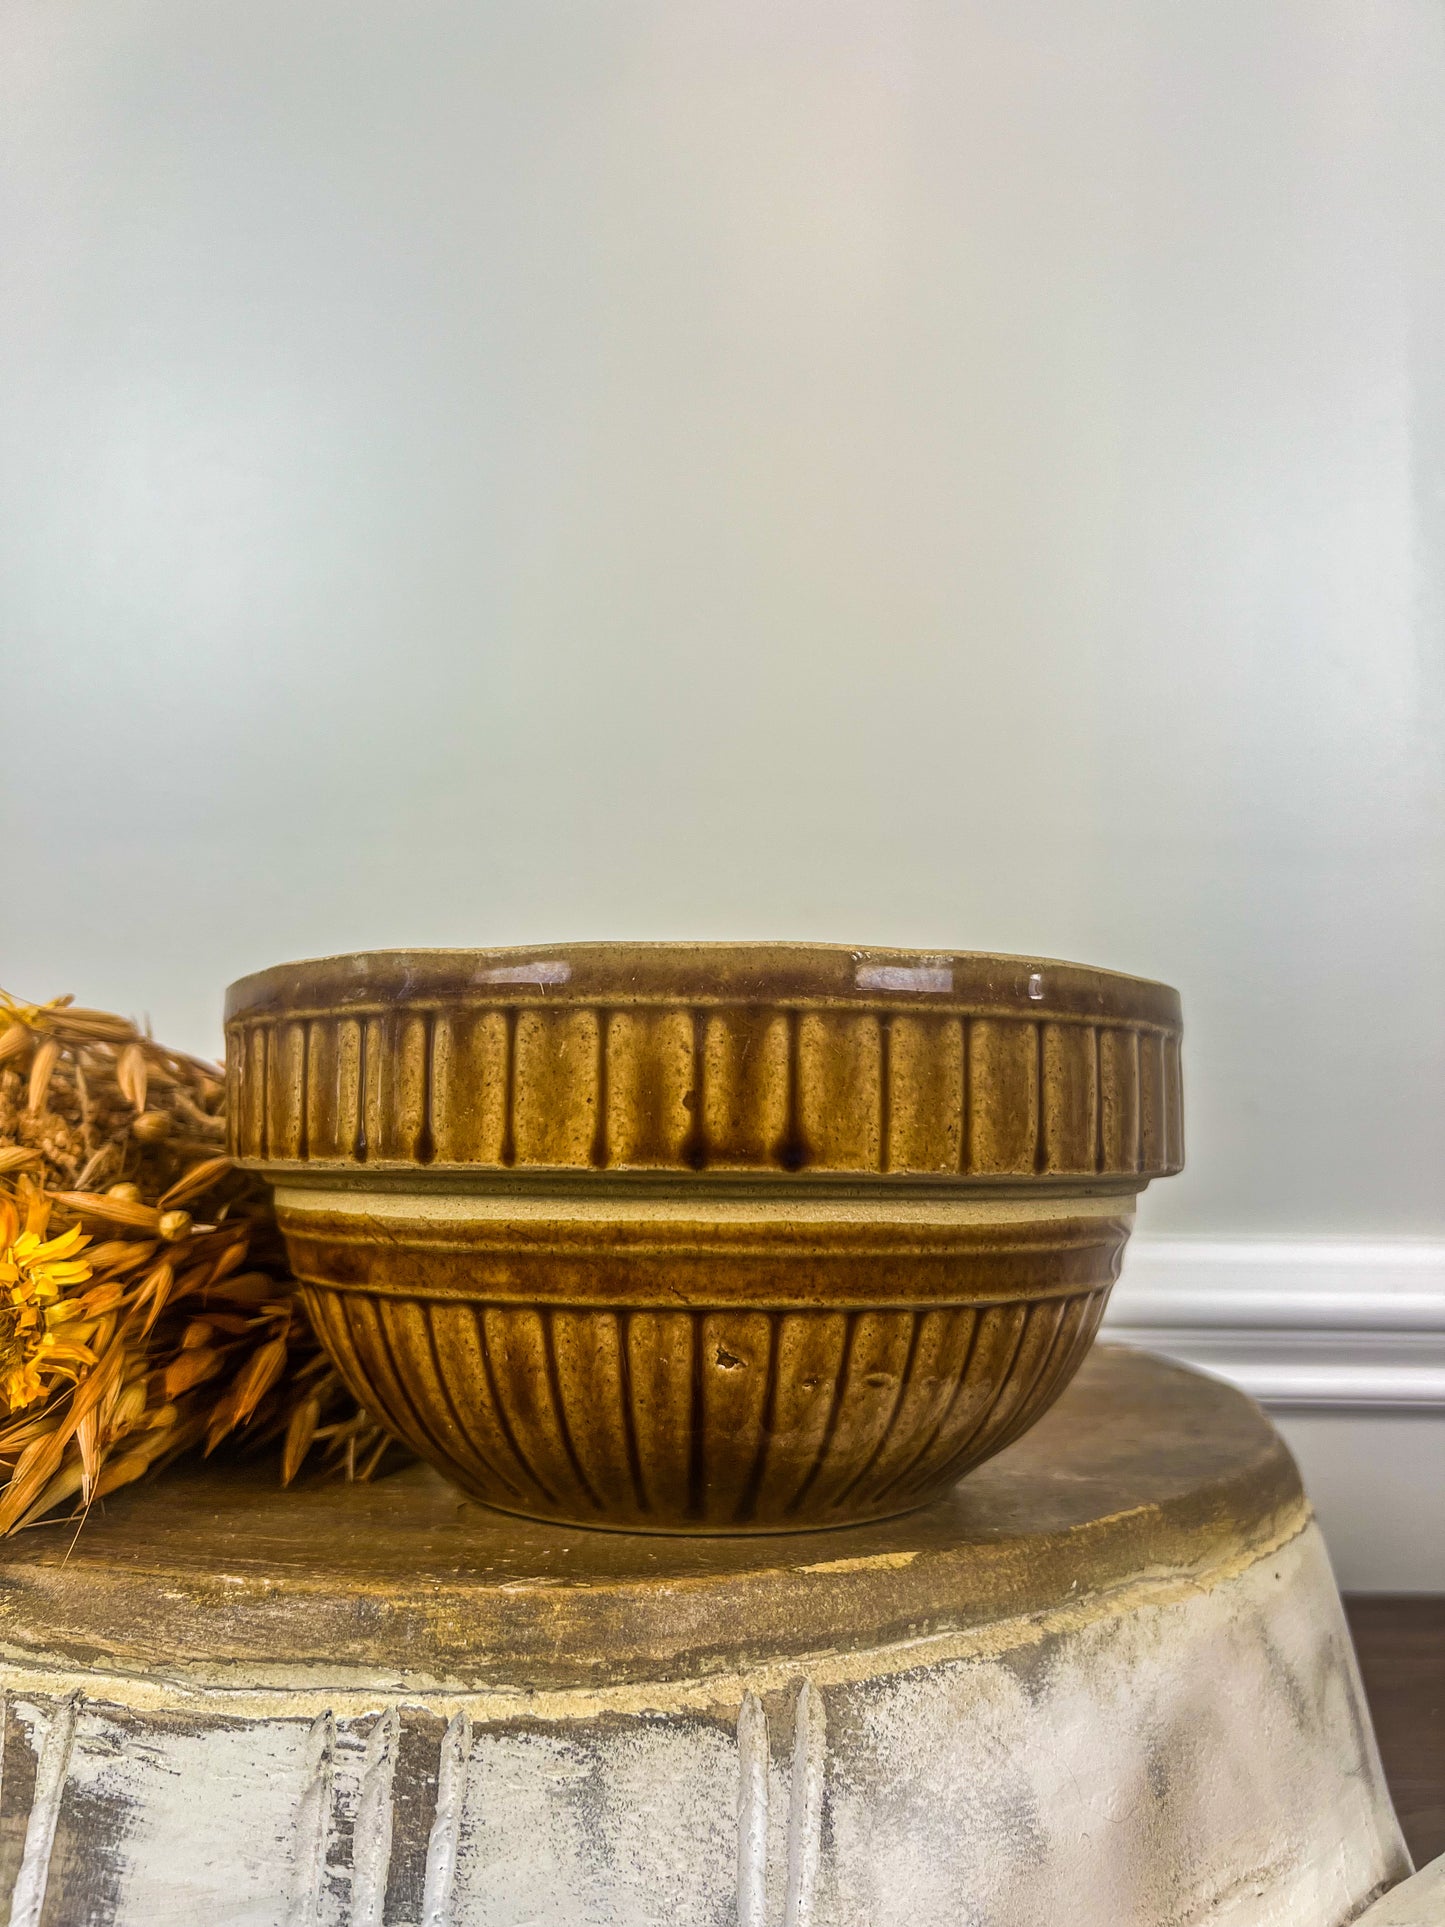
(1377, 1481)
(965, 474)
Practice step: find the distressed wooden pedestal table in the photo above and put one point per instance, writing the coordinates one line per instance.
(1105, 1681)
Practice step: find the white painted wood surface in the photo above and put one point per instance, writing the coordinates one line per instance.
(1181, 1751)
(1316, 1323)
(1417, 1902)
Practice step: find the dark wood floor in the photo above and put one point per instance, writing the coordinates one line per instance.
(1400, 1638)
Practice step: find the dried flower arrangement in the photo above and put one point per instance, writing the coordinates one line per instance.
(146, 1306)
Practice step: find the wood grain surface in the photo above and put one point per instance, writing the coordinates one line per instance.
(1400, 1638)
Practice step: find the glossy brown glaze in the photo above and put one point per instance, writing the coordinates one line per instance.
(784, 1058)
(753, 1371)
(709, 1238)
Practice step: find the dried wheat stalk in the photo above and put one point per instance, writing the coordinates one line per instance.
(146, 1306)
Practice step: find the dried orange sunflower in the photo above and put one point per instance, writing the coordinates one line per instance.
(42, 1329)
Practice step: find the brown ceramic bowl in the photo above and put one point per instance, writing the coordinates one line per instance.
(704, 1237)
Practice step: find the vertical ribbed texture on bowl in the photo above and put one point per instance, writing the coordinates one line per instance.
(976, 1075)
(715, 1420)
(568, 1345)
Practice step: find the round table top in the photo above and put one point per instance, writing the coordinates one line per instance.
(1141, 1467)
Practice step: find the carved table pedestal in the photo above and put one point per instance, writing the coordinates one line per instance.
(1106, 1681)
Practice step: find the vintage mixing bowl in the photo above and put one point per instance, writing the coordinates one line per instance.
(704, 1237)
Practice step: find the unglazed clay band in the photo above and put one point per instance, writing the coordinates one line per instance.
(466, 1193)
(705, 1254)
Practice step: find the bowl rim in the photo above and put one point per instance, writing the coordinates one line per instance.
(678, 973)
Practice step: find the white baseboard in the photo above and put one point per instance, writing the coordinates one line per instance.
(1320, 1324)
